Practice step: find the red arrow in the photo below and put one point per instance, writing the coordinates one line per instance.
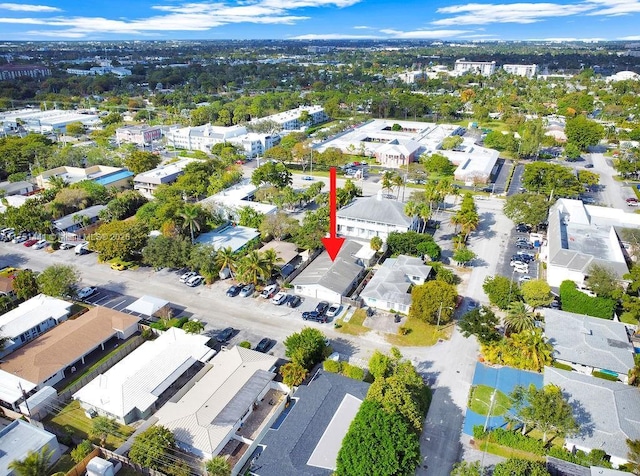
(333, 243)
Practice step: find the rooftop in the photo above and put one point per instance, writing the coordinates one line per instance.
(17, 439)
(147, 305)
(237, 197)
(164, 173)
(377, 210)
(140, 378)
(391, 282)
(10, 386)
(589, 341)
(203, 418)
(63, 345)
(31, 313)
(234, 237)
(306, 442)
(608, 412)
(68, 221)
(286, 251)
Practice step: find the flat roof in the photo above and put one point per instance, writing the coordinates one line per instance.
(286, 251)
(147, 305)
(10, 386)
(113, 177)
(31, 313)
(19, 438)
(237, 197)
(234, 237)
(63, 345)
(167, 171)
(140, 378)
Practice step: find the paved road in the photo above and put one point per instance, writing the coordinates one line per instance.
(516, 180)
(501, 180)
(612, 192)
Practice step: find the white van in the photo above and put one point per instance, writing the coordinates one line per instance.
(82, 248)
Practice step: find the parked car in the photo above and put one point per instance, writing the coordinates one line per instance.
(632, 202)
(118, 266)
(279, 298)
(269, 291)
(263, 345)
(525, 256)
(87, 291)
(523, 228)
(521, 269)
(588, 166)
(30, 243)
(314, 316)
(20, 239)
(40, 244)
(322, 307)
(247, 290)
(82, 248)
(67, 246)
(525, 246)
(294, 301)
(186, 276)
(195, 281)
(472, 304)
(225, 334)
(234, 290)
(333, 310)
(517, 263)
(524, 278)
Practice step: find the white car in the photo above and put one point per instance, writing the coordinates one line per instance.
(187, 276)
(333, 310)
(194, 281)
(269, 291)
(19, 239)
(279, 298)
(524, 279)
(521, 269)
(87, 291)
(40, 244)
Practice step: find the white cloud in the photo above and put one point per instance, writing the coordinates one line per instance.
(614, 7)
(332, 36)
(630, 38)
(482, 14)
(424, 34)
(20, 7)
(363, 27)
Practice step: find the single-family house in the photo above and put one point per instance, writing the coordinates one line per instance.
(8, 189)
(70, 224)
(6, 286)
(30, 319)
(589, 344)
(130, 390)
(390, 286)
(230, 201)
(608, 412)
(367, 217)
(19, 438)
(331, 280)
(307, 441)
(214, 410)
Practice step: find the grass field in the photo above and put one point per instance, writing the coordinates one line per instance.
(354, 327)
(420, 334)
(480, 400)
(507, 452)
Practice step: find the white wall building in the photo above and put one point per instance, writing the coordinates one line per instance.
(139, 135)
(526, 70)
(234, 198)
(485, 68)
(410, 77)
(147, 182)
(54, 120)
(19, 438)
(290, 120)
(367, 217)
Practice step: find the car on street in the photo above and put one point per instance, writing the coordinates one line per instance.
(225, 335)
(588, 166)
(333, 310)
(234, 290)
(472, 304)
(263, 345)
(279, 298)
(523, 228)
(314, 316)
(322, 307)
(30, 243)
(20, 239)
(307, 177)
(186, 276)
(524, 278)
(269, 291)
(294, 301)
(67, 246)
(632, 202)
(40, 244)
(247, 290)
(195, 281)
(87, 291)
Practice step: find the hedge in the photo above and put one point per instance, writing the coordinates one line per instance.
(604, 376)
(344, 368)
(559, 365)
(333, 366)
(512, 439)
(578, 302)
(595, 457)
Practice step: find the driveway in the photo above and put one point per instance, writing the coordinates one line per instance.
(516, 180)
(612, 192)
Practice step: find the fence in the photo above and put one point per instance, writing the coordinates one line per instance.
(127, 462)
(125, 350)
(81, 468)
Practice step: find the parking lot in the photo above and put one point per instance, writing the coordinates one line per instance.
(505, 269)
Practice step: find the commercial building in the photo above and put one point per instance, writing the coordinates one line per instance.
(484, 68)
(117, 177)
(100, 71)
(130, 390)
(290, 120)
(19, 438)
(30, 319)
(147, 182)
(580, 236)
(237, 386)
(55, 354)
(42, 122)
(475, 164)
(526, 70)
(15, 71)
(411, 77)
(389, 288)
(139, 135)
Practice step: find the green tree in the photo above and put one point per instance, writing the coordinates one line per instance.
(102, 427)
(278, 226)
(480, 322)
(583, 132)
(58, 280)
(545, 409)
(378, 443)
(520, 467)
(119, 239)
(433, 301)
(536, 293)
(35, 463)
(412, 243)
(140, 161)
(273, 173)
(527, 208)
(25, 284)
(306, 347)
(193, 327)
(253, 268)
(603, 281)
(152, 447)
(226, 258)
(202, 259)
(382, 365)
(247, 216)
(164, 252)
(466, 468)
(218, 466)
(551, 179)
(634, 455)
(572, 151)
(75, 129)
(518, 319)
(438, 164)
(463, 256)
(501, 291)
(451, 142)
(293, 374)
(190, 216)
(81, 451)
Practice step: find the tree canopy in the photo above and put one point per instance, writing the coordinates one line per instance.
(583, 132)
(306, 347)
(151, 448)
(58, 280)
(482, 323)
(273, 173)
(119, 239)
(501, 291)
(527, 208)
(433, 300)
(551, 180)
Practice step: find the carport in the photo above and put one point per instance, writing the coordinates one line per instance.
(149, 306)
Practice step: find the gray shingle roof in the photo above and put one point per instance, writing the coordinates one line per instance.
(378, 210)
(69, 220)
(589, 341)
(608, 412)
(390, 283)
(288, 448)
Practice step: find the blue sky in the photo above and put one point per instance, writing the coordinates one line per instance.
(320, 19)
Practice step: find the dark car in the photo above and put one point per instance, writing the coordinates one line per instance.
(322, 307)
(314, 316)
(234, 290)
(525, 246)
(294, 301)
(225, 335)
(523, 228)
(263, 345)
(588, 166)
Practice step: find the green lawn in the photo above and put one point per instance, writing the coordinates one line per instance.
(354, 327)
(507, 452)
(480, 400)
(63, 465)
(420, 334)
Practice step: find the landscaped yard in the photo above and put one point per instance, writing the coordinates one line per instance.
(480, 401)
(507, 452)
(72, 419)
(419, 333)
(64, 464)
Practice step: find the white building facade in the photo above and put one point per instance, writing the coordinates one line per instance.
(485, 68)
(526, 70)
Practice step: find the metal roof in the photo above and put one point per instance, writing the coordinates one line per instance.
(377, 210)
(391, 283)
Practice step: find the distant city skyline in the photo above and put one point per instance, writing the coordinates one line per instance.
(586, 20)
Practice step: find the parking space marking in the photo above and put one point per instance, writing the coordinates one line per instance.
(117, 306)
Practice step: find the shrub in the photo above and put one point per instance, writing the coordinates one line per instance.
(148, 334)
(333, 366)
(559, 365)
(352, 371)
(245, 344)
(512, 439)
(593, 458)
(403, 330)
(604, 376)
(81, 451)
(576, 301)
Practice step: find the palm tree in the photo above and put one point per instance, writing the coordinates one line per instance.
(398, 182)
(387, 183)
(518, 319)
(190, 216)
(468, 222)
(253, 267)
(102, 427)
(226, 258)
(35, 463)
(534, 348)
(424, 211)
(270, 258)
(57, 183)
(218, 466)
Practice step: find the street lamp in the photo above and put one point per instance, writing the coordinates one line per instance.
(440, 314)
(486, 423)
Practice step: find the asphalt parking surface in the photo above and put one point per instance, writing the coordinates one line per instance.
(505, 269)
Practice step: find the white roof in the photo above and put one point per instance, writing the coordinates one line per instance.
(234, 237)
(30, 313)
(10, 387)
(237, 197)
(163, 171)
(147, 305)
(18, 438)
(472, 160)
(138, 380)
(15, 201)
(204, 417)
